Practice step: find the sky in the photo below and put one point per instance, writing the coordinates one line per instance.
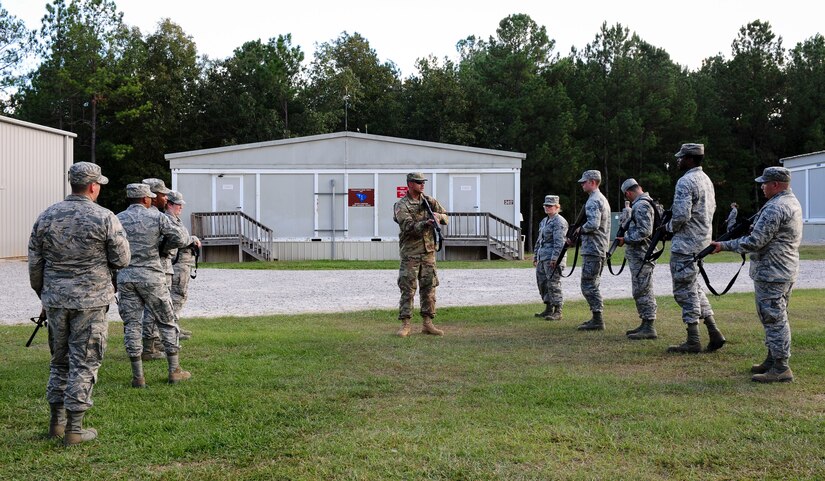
(403, 31)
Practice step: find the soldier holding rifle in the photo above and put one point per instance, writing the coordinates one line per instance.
(595, 235)
(549, 245)
(417, 244)
(774, 246)
(694, 203)
(637, 239)
(72, 248)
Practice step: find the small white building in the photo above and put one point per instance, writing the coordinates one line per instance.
(34, 165)
(808, 183)
(331, 196)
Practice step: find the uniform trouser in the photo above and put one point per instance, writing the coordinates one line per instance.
(150, 325)
(641, 275)
(591, 278)
(135, 297)
(686, 289)
(77, 338)
(180, 287)
(549, 283)
(417, 270)
(772, 300)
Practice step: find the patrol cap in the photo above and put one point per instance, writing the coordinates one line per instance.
(175, 197)
(138, 191)
(157, 185)
(551, 200)
(690, 149)
(780, 174)
(416, 177)
(629, 184)
(85, 173)
(591, 175)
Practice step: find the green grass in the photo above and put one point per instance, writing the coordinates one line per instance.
(502, 396)
(805, 253)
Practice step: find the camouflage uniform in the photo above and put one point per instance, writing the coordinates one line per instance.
(552, 234)
(694, 203)
(143, 284)
(595, 239)
(731, 220)
(774, 243)
(180, 281)
(416, 240)
(73, 245)
(637, 240)
(625, 215)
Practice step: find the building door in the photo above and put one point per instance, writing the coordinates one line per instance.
(228, 193)
(465, 197)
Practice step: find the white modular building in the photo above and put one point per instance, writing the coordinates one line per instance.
(808, 183)
(34, 165)
(331, 196)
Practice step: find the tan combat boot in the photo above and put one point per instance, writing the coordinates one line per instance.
(152, 349)
(176, 374)
(429, 328)
(57, 420)
(405, 328)
(75, 434)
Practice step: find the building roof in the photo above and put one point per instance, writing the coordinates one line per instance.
(30, 125)
(344, 151)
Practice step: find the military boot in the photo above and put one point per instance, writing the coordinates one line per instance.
(138, 380)
(151, 350)
(405, 328)
(692, 345)
(647, 331)
(57, 420)
(184, 333)
(636, 329)
(75, 434)
(176, 374)
(766, 365)
(429, 328)
(548, 309)
(779, 372)
(594, 324)
(717, 340)
(555, 315)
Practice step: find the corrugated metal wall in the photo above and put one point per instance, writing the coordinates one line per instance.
(33, 165)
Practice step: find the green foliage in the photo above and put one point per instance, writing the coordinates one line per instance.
(502, 395)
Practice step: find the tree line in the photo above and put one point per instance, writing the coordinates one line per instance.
(619, 104)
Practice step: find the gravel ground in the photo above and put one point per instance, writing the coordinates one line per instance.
(227, 292)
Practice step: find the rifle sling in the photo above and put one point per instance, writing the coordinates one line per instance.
(573, 268)
(730, 284)
(610, 266)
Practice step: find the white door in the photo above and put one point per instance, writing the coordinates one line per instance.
(228, 195)
(465, 197)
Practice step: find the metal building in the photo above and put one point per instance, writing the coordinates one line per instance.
(34, 163)
(808, 183)
(331, 196)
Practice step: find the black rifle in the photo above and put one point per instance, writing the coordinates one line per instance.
(39, 321)
(439, 239)
(660, 234)
(740, 229)
(573, 237)
(620, 233)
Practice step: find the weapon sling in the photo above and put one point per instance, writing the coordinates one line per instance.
(575, 238)
(657, 221)
(738, 230)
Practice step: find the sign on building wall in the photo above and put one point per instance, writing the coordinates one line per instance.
(361, 197)
(401, 191)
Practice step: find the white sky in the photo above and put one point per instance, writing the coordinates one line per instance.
(403, 31)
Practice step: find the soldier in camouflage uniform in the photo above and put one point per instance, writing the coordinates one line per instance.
(694, 203)
(552, 233)
(595, 236)
(626, 213)
(184, 260)
(639, 228)
(734, 213)
(416, 241)
(152, 345)
(73, 245)
(774, 245)
(142, 285)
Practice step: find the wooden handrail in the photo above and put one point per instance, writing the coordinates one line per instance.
(252, 236)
